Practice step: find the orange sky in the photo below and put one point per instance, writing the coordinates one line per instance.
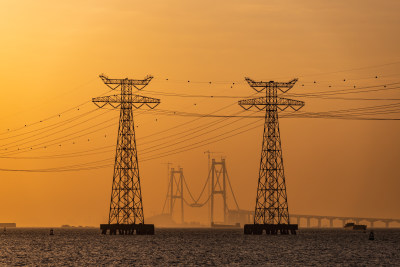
(52, 53)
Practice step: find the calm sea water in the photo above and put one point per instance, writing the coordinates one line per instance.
(324, 247)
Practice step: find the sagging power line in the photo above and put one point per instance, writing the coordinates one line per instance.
(29, 141)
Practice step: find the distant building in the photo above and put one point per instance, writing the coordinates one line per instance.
(8, 225)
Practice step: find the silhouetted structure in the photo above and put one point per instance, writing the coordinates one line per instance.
(176, 190)
(218, 186)
(209, 153)
(126, 208)
(247, 216)
(10, 225)
(371, 236)
(218, 180)
(342, 219)
(271, 211)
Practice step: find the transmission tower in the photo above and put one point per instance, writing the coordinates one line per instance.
(271, 211)
(177, 194)
(126, 207)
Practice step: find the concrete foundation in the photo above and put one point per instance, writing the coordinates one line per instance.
(270, 229)
(127, 229)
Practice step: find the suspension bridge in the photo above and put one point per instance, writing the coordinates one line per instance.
(218, 182)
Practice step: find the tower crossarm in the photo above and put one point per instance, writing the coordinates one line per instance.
(115, 83)
(116, 100)
(261, 86)
(262, 102)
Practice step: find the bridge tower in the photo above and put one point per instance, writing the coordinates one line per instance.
(126, 207)
(209, 153)
(176, 190)
(218, 186)
(271, 210)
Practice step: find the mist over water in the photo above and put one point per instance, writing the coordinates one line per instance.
(28, 246)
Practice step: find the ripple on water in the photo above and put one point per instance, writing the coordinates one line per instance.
(25, 246)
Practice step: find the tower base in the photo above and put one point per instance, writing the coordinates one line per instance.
(127, 229)
(270, 229)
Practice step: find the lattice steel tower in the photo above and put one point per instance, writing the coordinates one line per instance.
(126, 207)
(271, 211)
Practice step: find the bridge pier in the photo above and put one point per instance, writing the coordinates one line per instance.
(357, 220)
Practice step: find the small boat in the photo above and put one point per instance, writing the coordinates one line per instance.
(353, 226)
(371, 236)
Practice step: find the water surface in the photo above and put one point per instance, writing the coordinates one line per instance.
(33, 246)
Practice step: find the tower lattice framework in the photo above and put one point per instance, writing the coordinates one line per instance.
(271, 208)
(126, 207)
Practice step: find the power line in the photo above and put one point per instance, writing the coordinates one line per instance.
(314, 94)
(51, 117)
(61, 139)
(352, 69)
(55, 141)
(309, 115)
(349, 91)
(165, 154)
(370, 110)
(50, 134)
(49, 126)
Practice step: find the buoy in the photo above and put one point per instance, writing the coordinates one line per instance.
(51, 232)
(371, 236)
